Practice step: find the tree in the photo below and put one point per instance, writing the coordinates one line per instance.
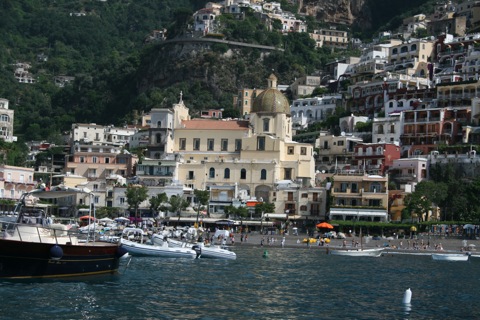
(203, 196)
(157, 203)
(177, 203)
(435, 192)
(136, 194)
(264, 207)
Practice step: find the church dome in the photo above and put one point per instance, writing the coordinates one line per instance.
(271, 100)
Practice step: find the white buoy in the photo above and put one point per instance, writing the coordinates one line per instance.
(407, 296)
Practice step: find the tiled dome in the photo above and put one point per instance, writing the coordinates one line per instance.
(271, 100)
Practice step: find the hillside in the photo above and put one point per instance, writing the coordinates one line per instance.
(101, 44)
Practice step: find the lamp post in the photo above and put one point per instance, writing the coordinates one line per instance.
(50, 171)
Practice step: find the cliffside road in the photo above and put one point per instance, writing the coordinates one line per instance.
(210, 40)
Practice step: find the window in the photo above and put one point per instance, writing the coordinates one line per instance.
(183, 143)
(210, 144)
(304, 195)
(224, 144)
(196, 144)
(375, 187)
(94, 159)
(82, 159)
(211, 173)
(303, 208)
(290, 150)
(243, 174)
(266, 125)
(238, 144)
(122, 200)
(4, 118)
(107, 160)
(95, 187)
(261, 143)
(288, 173)
(354, 188)
(226, 174)
(96, 199)
(92, 173)
(263, 174)
(340, 143)
(191, 175)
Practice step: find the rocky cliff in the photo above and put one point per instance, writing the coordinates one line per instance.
(348, 12)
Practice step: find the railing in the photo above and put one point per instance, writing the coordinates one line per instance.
(33, 232)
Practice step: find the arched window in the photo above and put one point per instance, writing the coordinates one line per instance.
(243, 174)
(266, 125)
(390, 104)
(263, 174)
(211, 173)
(4, 118)
(226, 174)
(158, 137)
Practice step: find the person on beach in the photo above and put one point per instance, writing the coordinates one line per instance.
(261, 242)
(283, 241)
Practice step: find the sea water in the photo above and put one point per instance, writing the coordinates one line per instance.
(289, 283)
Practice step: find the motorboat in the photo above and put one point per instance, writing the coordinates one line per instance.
(373, 252)
(358, 252)
(206, 251)
(450, 256)
(135, 242)
(35, 247)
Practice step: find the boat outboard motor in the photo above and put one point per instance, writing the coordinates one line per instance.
(198, 250)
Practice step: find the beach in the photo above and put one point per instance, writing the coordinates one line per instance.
(423, 243)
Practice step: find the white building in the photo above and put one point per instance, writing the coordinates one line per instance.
(310, 110)
(92, 133)
(6, 122)
(387, 129)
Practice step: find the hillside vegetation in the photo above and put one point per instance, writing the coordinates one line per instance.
(117, 76)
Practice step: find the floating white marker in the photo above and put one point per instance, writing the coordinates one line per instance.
(407, 296)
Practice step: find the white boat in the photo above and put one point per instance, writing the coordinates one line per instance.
(206, 251)
(134, 242)
(450, 256)
(374, 252)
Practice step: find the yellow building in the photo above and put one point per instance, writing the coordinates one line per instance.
(359, 197)
(250, 159)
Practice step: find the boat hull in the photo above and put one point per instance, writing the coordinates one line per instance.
(20, 259)
(208, 252)
(449, 257)
(358, 253)
(135, 248)
(217, 253)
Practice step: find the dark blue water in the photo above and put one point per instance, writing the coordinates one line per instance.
(289, 284)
